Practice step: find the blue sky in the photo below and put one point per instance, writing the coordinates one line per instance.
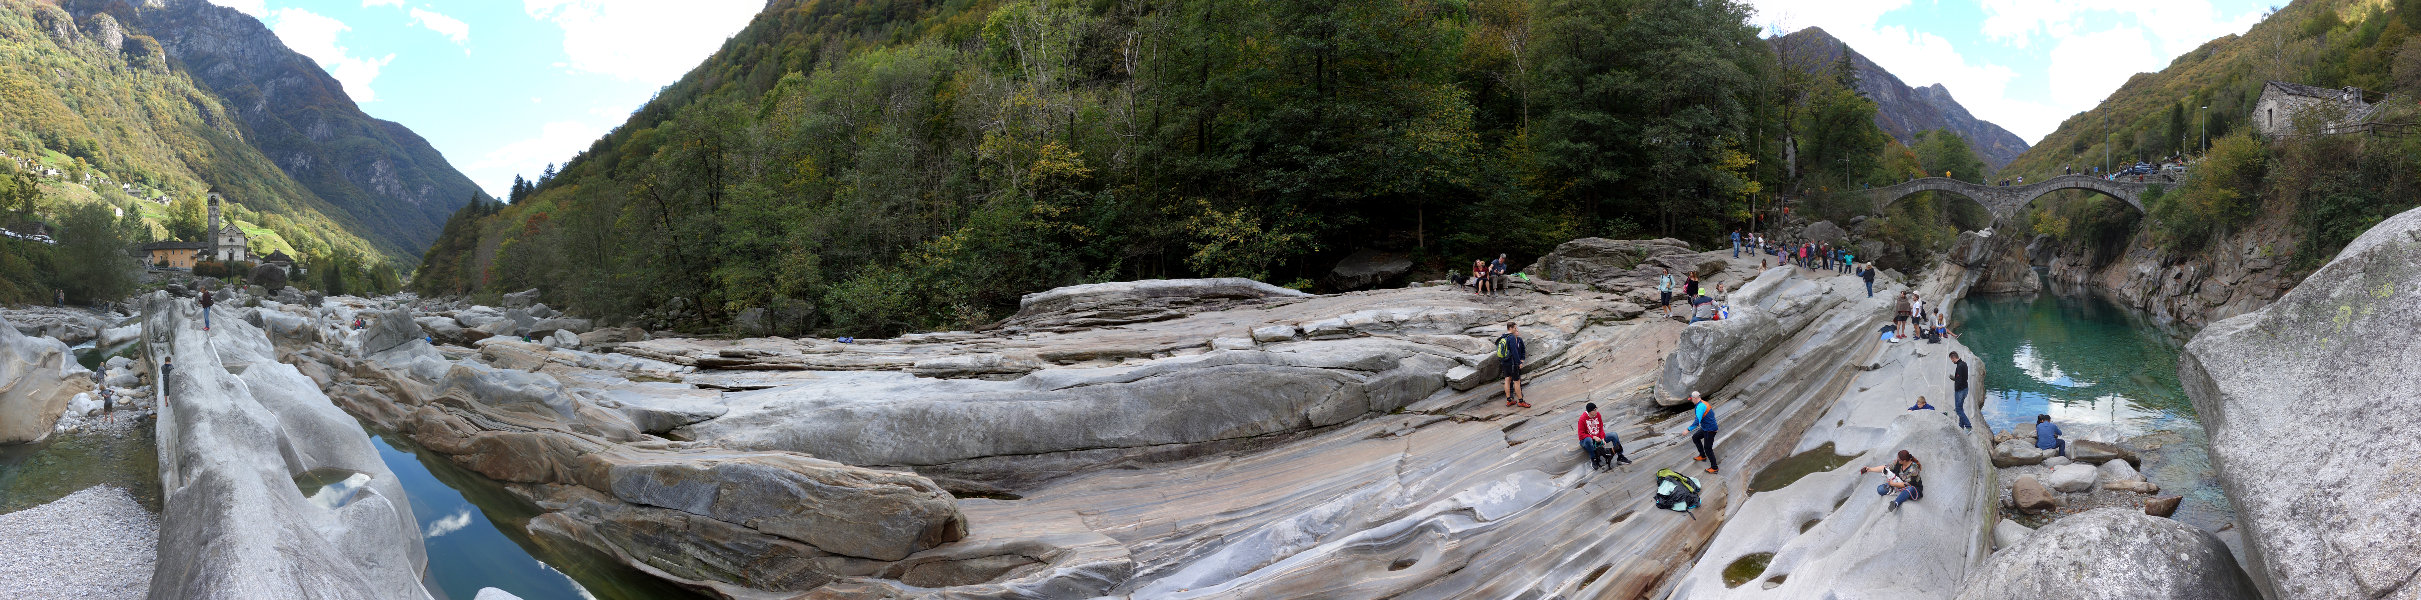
(503, 87)
(2023, 64)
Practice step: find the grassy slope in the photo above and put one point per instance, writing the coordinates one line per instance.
(2300, 43)
(127, 115)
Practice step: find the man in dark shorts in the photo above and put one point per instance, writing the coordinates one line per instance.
(1509, 354)
(1664, 288)
(1899, 319)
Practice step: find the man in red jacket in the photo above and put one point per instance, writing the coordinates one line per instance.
(1604, 449)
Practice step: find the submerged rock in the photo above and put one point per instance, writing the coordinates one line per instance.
(2310, 405)
(2112, 554)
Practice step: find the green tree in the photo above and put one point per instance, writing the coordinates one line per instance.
(92, 254)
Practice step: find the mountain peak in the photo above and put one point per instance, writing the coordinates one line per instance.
(1900, 110)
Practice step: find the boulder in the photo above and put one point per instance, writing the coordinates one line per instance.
(553, 324)
(2012, 453)
(38, 378)
(2031, 497)
(753, 322)
(1597, 260)
(2006, 534)
(2309, 403)
(2112, 554)
(1095, 305)
(1774, 308)
(2072, 478)
(445, 330)
(1823, 232)
(389, 329)
(1275, 333)
(521, 299)
(563, 339)
(613, 335)
(289, 295)
(1231, 343)
(72, 326)
(2162, 506)
(477, 316)
(2056, 461)
(1366, 269)
(2118, 471)
(314, 298)
(111, 338)
(268, 276)
(2089, 451)
(522, 321)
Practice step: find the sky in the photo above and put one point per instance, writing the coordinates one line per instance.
(2025, 65)
(503, 87)
(506, 87)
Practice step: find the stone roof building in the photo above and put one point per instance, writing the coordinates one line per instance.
(2281, 103)
(174, 255)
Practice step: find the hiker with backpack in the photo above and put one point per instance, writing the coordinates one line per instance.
(1509, 354)
(1604, 448)
(206, 302)
(1902, 477)
(1702, 432)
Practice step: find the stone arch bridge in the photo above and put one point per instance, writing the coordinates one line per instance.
(2004, 200)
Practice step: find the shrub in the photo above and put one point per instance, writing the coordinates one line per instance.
(2221, 194)
(209, 268)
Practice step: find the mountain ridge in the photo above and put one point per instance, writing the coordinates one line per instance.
(1902, 111)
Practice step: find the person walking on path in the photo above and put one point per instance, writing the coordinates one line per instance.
(1664, 289)
(1509, 354)
(2047, 435)
(1604, 448)
(167, 366)
(1702, 432)
(1902, 477)
(1735, 242)
(206, 302)
(1958, 389)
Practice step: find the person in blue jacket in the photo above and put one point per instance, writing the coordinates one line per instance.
(1509, 354)
(2047, 435)
(1702, 432)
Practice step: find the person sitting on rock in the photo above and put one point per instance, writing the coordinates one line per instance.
(1901, 477)
(2047, 435)
(1479, 276)
(1603, 447)
(1921, 405)
(1702, 308)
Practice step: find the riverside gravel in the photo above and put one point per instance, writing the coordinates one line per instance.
(95, 543)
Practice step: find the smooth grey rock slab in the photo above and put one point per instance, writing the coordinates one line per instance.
(2112, 554)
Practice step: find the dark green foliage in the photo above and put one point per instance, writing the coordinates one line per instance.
(872, 167)
(2222, 195)
(93, 260)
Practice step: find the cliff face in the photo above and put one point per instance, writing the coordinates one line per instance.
(2239, 273)
(388, 181)
(1900, 110)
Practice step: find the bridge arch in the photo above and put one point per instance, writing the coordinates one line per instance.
(2001, 201)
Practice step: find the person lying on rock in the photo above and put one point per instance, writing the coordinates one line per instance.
(1921, 405)
(2047, 435)
(1902, 477)
(1603, 447)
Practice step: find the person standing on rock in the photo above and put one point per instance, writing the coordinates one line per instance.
(1958, 389)
(58, 298)
(1509, 354)
(1902, 477)
(2047, 435)
(1664, 288)
(1735, 242)
(206, 302)
(1899, 317)
(1702, 432)
(1605, 449)
(1868, 274)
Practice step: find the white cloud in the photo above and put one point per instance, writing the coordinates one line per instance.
(451, 523)
(454, 29)
(256, 8)
(555, 143)
(370, 3)
(642, 40)
(314, 36)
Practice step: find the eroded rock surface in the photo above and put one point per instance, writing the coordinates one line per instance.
(269, 491)
(2112, 554)
(37, 380)
(2309, 407)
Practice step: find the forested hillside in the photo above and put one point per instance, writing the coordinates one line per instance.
(2330, 187)
(106, 109)
(874, 166)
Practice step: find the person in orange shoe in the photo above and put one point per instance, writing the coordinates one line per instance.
(1702, 432)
